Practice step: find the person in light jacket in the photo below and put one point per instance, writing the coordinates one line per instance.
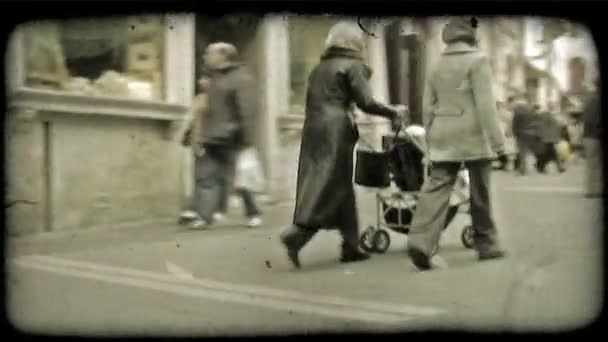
(462, 124)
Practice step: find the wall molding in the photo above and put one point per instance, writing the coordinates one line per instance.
(50, 101)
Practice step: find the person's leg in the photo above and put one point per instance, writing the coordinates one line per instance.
(431, 210)
(294, 238)
(207, 186)
(349, 229)
(593, 167)
(484, 235)
(252, 211)
(522, 155)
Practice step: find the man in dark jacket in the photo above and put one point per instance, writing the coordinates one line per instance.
(325, 195)
(592, 134)
(525, 132)
(550, 135)
(228, 129)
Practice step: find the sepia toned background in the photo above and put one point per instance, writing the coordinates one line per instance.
(95, 173)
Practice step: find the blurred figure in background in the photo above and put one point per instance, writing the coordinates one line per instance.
(463, 129)
(550, 133)
(229, 124)
(524, 131)
(592, 135)
(325, 195)
(193, 138)
(506, 125)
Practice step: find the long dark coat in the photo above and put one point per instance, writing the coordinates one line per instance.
(329, 135)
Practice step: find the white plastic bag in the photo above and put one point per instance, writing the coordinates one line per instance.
(461, 188)
(249, 174)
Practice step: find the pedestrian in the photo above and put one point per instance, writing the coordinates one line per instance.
(550, 136)
(462, 130)
(325, 195)
(506, 121)
(192, 137)
(228, 129)
(525, 132)
(592, 134)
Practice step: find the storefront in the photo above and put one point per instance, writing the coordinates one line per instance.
(96, 108)
(93, 110)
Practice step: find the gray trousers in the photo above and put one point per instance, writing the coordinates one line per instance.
(433, 202)
(213, 174)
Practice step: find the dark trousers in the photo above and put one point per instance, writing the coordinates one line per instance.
(433, 202)
(549, 155)
(213, 174)
(523, 151)
(347, 224)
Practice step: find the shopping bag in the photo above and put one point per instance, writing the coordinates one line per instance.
(249, 174)
(563, 150)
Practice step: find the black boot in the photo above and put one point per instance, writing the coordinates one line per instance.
(420, 260)
(294, 238)
(349, 255)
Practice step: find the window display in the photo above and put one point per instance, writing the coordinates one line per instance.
(118, 57)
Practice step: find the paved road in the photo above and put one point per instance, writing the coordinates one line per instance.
(233, 281)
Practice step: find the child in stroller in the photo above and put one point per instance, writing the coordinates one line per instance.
(397, 203)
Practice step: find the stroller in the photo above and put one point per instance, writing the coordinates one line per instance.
(405, 170)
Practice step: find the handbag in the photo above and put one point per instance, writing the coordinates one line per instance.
(249, 174)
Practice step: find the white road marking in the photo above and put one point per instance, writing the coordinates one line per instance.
(178, 272)
(337, 307)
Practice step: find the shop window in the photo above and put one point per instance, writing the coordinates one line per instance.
(306, 44)
(118, 57)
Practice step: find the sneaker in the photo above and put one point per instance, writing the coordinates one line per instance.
(218, 217)
(187, 216)
(198, 224)
(254, 222)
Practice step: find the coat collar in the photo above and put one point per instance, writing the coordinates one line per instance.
(336, 52)
(459, 47)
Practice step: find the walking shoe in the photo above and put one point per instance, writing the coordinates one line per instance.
(187, 216)
(419, 259)
(288, 239)
(354, 256)
(255, 221)
(199, 224)
(218, 217)
(490, 253)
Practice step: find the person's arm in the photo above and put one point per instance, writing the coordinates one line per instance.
(485, 103)
(358, 79)
(429, 101)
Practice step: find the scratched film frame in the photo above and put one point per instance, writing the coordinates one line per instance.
(96, 107)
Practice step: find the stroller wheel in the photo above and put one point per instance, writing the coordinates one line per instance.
(366, 240)
(381, 241)
(467, 236)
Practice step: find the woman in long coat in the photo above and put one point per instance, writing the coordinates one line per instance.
(325, 194)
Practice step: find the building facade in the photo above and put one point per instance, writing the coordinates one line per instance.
(97, 107)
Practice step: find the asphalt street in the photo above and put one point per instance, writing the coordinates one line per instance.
(163, 279)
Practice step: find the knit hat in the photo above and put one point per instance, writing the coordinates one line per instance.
(460, 29)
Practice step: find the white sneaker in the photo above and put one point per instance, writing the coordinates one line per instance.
(254, 222)
(218, 217)
(198, 224)
(187, 216)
